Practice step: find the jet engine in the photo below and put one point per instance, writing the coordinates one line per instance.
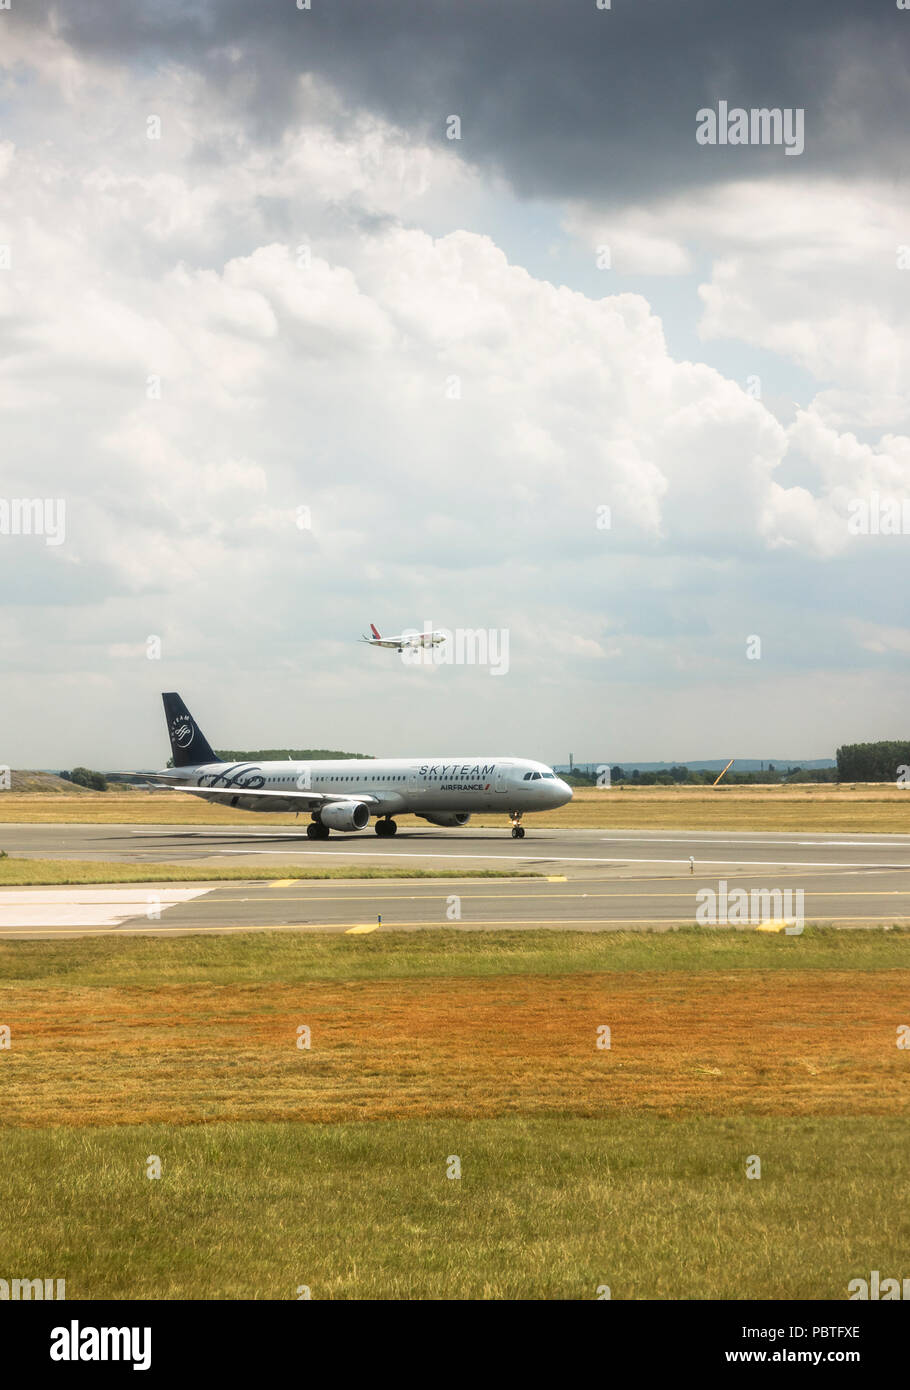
(345, 815)
(448, 818)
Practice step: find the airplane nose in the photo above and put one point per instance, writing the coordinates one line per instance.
(563, 792)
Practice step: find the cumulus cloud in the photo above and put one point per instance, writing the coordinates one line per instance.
(277, 398)
(818, 273)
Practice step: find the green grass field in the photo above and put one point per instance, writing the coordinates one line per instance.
(546, 1208)
(41, 872)
(327, 1167)
(146, 963)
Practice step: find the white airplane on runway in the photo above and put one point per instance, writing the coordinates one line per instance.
(413, 639)
(343, 794)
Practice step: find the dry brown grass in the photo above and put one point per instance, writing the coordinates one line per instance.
(873, 807)
(749, 1042)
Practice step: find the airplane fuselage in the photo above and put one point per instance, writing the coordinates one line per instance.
(345, 793)
(390, 785)
(407, 640)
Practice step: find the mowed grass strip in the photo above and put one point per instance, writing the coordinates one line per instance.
(261, 958)
(869, 808)
(750, 1042)
(34, 873)
(546, 1208)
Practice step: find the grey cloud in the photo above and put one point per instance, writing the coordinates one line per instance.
(565, 100)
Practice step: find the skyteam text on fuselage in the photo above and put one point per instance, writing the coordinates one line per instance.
(343, 794)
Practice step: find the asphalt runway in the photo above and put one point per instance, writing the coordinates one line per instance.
(559, 851)
(591, 880)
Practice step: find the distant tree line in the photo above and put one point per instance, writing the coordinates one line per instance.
(84, 777)
(886, 761)
(872, 762)
(680, 775)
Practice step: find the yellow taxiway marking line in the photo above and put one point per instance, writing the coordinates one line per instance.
(557, 878)
(403, 926)
(361, 929)
(529, 897)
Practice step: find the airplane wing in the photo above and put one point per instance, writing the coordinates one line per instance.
(248, 799)
(384, 642)
(251, 798)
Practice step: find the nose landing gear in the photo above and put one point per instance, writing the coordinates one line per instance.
(518, 831)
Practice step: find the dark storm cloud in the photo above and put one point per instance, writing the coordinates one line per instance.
(562, 97)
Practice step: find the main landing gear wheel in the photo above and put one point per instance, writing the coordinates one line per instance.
(518, 832)
(386, 827)
(315, 831)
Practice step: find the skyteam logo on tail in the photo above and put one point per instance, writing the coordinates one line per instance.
(182, 731)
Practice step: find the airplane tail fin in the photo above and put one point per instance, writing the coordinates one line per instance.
(188, 743)
(374, 631)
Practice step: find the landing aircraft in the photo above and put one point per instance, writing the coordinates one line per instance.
(414, 639)
(343, 794)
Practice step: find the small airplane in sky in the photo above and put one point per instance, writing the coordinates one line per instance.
(412, 639)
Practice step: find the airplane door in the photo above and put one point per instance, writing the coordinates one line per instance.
(501, 777)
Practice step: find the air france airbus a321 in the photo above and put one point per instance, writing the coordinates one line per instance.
(344, 794)
(406, 639)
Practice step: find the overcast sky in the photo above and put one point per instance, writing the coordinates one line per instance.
(295, 360)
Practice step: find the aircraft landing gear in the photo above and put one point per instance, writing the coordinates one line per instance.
(316, 831)
(518, 831)
(386, 826)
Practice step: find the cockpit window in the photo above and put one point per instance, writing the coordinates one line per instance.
(527, 777)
